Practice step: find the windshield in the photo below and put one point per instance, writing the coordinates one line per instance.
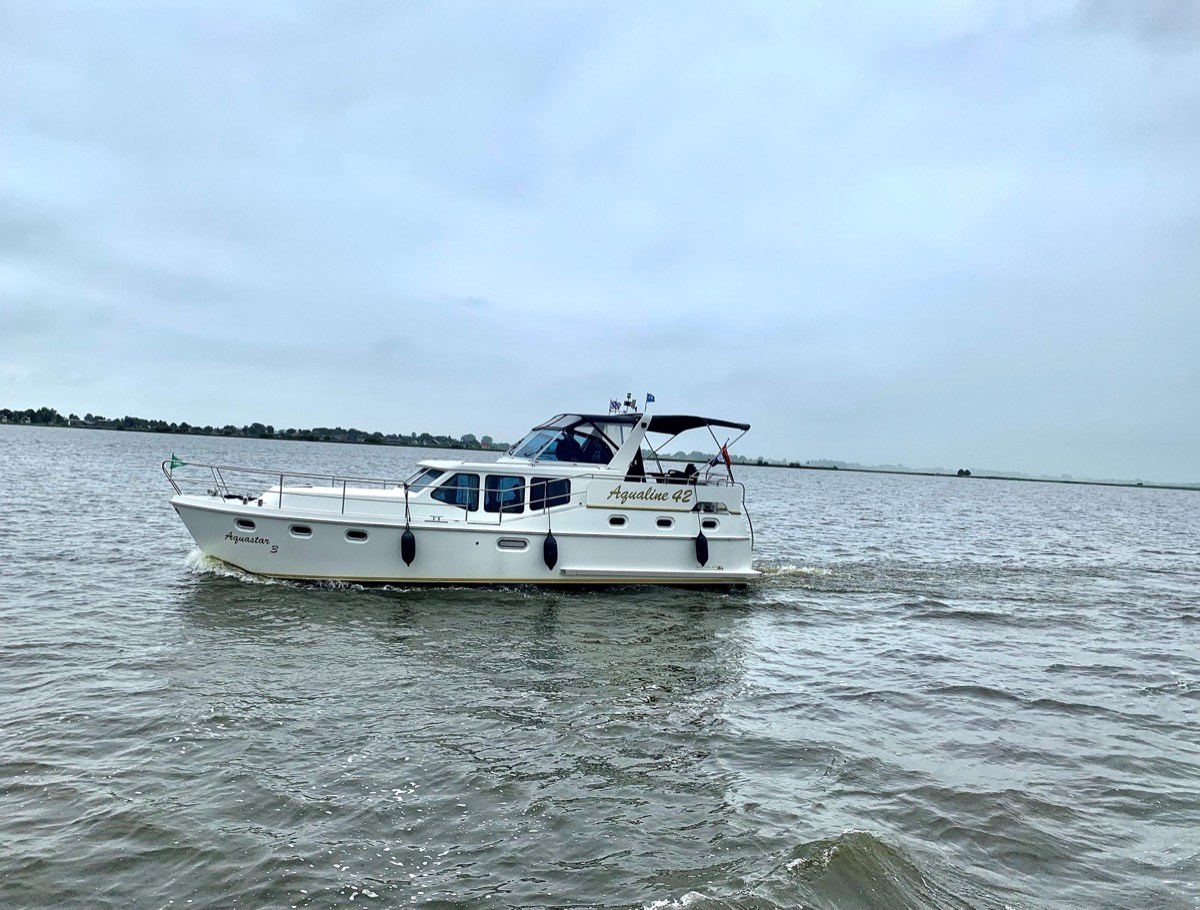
(577, 446)
(568, 439)
(532, 444)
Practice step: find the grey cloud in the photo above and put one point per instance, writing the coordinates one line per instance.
(1166, 24)
(879, 233)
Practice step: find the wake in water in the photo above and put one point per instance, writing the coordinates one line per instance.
(788, 571)
(199, 563)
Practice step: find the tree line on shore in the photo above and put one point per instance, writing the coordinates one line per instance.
(49, 417)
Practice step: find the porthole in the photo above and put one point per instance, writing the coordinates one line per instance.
(512, 543)
(300, 531)
(666, 523)
(616, 521)
(356, 535)
(710, 524)
(244, 524)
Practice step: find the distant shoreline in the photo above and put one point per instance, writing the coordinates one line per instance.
(50, 417)
(1134, 484)
(452, 444)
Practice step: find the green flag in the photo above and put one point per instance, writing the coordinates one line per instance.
(176, 462)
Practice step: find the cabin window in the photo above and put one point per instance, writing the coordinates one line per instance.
(617, 521)
(596, 450)
(532, 444)
(567, 447)
(710, 524)
(424, 479)
(567, 438)
(503, 494)
(300, 531)
(244, 524)
(579, 447)
(545, 493)
(512, 543)
(665, 523)
(356, 535)
(460, 490)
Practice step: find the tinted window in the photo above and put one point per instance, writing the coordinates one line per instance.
(532, 444)
(567, 447)
(503, 494)
(596, 450)
(545, 493)
(424, 479)
(460, 490)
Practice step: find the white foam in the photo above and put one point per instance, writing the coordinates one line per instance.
(668, 904)
(791, 571)
(200, 564)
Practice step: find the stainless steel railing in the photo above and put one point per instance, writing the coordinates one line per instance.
(253, 484)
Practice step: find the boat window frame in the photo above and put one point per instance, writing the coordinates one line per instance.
(493, 494)
(547, 436)
(422, 479)
(472, 504)
(546, 497)
(522, 448)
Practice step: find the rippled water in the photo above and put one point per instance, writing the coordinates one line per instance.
(945, 694)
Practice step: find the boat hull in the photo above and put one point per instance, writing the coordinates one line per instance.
(366, 549)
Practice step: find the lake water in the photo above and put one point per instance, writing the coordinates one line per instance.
(945, 693)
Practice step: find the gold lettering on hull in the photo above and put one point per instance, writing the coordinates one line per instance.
(648, 495)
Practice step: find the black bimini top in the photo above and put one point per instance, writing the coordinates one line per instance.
(672, 424)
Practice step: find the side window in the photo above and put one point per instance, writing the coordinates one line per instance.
(424, 479)
(545, 493)
(596, 451)
(460, 490)
(568, 447)
(503, 494)
(532, 444)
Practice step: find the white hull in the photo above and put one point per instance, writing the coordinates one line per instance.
(468, 552)
(571, 504)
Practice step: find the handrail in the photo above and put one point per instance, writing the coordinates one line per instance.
(573, 493)
(171, 480)
(274, 472)
(335, 479)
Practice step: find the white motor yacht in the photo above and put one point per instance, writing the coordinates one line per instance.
(583, 499)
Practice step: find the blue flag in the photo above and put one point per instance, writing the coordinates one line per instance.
(613, 404)
(649, 398)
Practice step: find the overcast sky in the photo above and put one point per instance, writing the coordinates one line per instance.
(949, 233)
